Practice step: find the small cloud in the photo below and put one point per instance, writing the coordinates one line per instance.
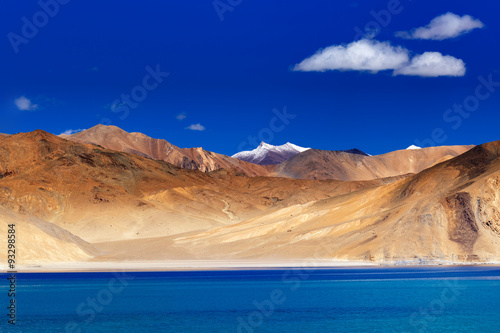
(363, 55)
(433, 64)
(196, 127)
(446, 26)
(25, 104)
(71, 131)
(181, 116)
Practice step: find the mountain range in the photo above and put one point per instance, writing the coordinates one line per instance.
(108, 195)
(288, 160)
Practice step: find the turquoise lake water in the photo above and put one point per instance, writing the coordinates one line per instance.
(439, 299)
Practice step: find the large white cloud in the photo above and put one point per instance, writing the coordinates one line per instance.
(433, 64)
(446, 26)
(362, 55)
(25, 104)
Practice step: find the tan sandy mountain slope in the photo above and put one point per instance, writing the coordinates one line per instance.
(449, 212)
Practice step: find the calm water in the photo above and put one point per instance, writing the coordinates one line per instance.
(464, 299)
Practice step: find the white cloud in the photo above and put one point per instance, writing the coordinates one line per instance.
(71, 131)
(24, 104)
(446, 26)
(181, 116)
(433, 64)
(375, 56)
(196, 127)
(362, 55)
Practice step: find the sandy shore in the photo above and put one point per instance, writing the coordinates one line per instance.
(183, 265)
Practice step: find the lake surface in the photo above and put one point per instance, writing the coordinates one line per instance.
(436, 299)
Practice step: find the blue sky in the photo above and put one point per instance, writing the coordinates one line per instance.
(234, 70)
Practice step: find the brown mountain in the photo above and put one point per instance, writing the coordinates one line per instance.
(324, 164)
(112, 137)
(66, 197)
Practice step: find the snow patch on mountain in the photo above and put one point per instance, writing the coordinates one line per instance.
(266, 154)
(412, 147)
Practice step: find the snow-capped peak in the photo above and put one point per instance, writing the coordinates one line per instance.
(412, 147)
(266, 154)
(264, 145)
(289, 145)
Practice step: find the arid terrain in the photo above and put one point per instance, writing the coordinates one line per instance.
(115, 138)
(105, 195)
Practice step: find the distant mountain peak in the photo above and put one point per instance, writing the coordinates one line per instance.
(356, 151)
(267, 154)
(413, 147)
(264, 145)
